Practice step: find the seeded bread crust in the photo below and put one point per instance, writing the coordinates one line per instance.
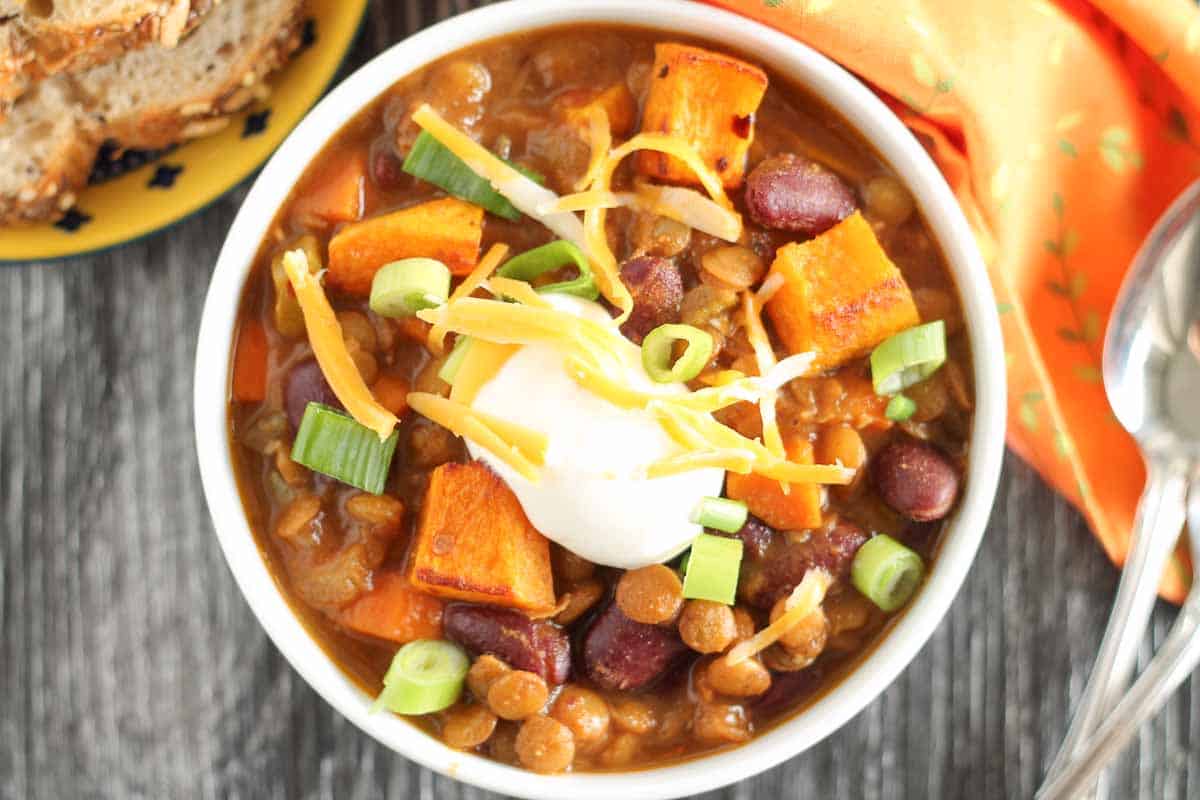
(32, 49)
(53, 193)
(161, 126)
(64, 171)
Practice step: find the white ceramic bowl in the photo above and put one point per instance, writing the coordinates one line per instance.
(780, 54)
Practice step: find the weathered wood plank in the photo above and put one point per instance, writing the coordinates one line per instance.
(130, 666)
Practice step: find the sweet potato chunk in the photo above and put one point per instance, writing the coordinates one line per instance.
(448, 230)
(841, 295)
(394, 610)
(338, 193)
(616, 100)
(800, 508)
(474, 542)
(710, 100)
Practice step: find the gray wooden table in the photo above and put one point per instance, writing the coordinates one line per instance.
(131, 667)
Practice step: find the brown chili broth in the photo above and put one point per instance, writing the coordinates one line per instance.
(790, 119)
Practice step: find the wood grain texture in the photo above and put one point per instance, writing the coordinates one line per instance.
(130, 666)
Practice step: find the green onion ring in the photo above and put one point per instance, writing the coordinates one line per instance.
(450, 367)
(900, 408)
(908, 357)
(658, 349)
(886, 572)
(425, 676)
(333, 444)
(529, 265)
(404, 287)
(712, 569)
(721, 514)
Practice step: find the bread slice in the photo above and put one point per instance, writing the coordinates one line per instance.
(148, 98)
(43, 37)
(46, 152)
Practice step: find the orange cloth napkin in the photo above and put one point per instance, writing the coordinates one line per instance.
(1065, 128)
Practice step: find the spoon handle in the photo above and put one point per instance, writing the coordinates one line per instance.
(1174, 662)
(1160, 518)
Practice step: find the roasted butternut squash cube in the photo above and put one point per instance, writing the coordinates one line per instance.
(616, 100)
(841, 294)
(474, 542)
(797, 510)
(710, 100)
(448, 229)
(338, 194)
(395, 611)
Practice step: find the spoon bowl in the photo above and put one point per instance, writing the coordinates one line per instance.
(1151, 362)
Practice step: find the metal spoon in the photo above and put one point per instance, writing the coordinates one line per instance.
(1172, 664)
(1152, 378)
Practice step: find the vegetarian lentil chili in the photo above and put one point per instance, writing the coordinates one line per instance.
(585, 461)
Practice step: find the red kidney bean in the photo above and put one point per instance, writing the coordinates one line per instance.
(621, 655)
(756, 535)
(915, 479)
(787, 688)
(522, 643)
(830, 549)
(657, 289)
(385, 165)
(792, 193)
(305, 384)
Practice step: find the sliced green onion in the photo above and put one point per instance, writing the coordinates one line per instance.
(333, 444)
(453, 361)
(425, 676)
(886, 572)
(432, 161)
(908, 358)
(404, 287)
(532, 263)
(721, 514)
(658, 349)
(900, 408)
(712, 569)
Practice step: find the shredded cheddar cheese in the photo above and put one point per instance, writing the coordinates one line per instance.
(769, 288)
(520, 448)
(722, 377)
(688, 207)
(681, 149)
(695, 430)
(520, 291)
(329, 346)
(532, 199)
(764, 355)
(515, 323)
(595, 233)
(600, 133)
(590, 350)
(481, 363)
(738, 461)
(582, 201)
(525, 194)
(584, 372)
(483, 270)
(804, 600)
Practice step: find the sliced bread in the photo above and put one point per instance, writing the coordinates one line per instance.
(46, 152)
(147, 98)
(39, 39)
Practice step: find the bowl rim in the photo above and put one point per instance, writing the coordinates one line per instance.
(867, 115)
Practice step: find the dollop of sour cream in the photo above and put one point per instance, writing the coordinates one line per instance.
(594, 498)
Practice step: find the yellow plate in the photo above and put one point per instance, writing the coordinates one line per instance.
(189, 178)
